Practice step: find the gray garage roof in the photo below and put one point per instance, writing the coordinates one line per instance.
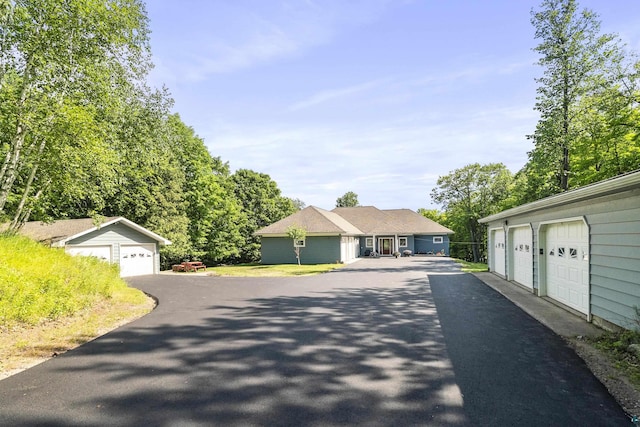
(610, 186)
(58, 232)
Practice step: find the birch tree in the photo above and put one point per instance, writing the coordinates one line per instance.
(59, 57)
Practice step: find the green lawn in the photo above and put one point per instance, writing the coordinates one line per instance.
(472, 267)
(278, 270)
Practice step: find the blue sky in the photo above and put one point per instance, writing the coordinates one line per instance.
(379, 97)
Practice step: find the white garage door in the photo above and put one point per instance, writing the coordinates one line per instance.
(523, 256)
(136, 260)
(100, 252)
(568, 264)
(498, 252)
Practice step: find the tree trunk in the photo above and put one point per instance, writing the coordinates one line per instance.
(9, 170)
(474, 240)
(10, 167)
(19, 218)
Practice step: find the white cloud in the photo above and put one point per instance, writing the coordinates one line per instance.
(330, 95)
(244, 34)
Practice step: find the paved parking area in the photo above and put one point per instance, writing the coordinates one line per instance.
(381, 342)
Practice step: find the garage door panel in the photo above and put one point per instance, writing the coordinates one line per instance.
(521, 262)
(499, 252)
(136, 260)
(567, 264)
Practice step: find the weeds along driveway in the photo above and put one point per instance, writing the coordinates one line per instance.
(381, 342)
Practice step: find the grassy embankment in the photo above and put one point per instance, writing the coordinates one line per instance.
(51, 302)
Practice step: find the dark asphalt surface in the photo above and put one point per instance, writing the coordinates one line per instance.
(384, 342)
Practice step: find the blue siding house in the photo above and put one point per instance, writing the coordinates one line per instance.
(344, 234)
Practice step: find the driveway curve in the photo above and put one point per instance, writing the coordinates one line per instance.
(381, 342)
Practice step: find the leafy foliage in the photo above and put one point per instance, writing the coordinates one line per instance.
(296, 233)
(73, 92)
(347, 200)
(588, 104)
(468, 194)
(261, 204)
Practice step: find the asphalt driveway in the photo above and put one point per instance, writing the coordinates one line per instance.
(382, 342)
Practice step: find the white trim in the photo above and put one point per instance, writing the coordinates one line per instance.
(300, 243)
(438, 237)
(366, 242)
(406, 242)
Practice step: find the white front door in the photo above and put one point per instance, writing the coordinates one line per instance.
(567, 264)
(522, 258)
(136, 260)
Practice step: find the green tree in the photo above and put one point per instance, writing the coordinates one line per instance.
(348, 200)
(574, 56)
(433, 215)
(62, 65)
(213, 212)
(468, 194)
(298, 235)
(609, 140)
(261, 204)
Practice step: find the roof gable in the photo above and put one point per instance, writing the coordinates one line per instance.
(59, 232)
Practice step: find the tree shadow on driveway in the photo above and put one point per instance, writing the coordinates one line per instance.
(511, 368)
(365, 346)
(358, 356)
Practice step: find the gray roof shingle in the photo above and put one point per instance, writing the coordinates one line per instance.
(315, 221)
(372, 220)
(361, 220)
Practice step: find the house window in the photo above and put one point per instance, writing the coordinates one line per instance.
(438, 239)
(403, 242)
(369, 242)
(300, 243)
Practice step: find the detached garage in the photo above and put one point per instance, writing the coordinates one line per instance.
(116, 240)
(580, 249)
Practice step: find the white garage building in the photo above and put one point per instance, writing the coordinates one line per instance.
(580, 249)
(116, 240)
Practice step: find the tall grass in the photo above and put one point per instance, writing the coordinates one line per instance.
(38, 283)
